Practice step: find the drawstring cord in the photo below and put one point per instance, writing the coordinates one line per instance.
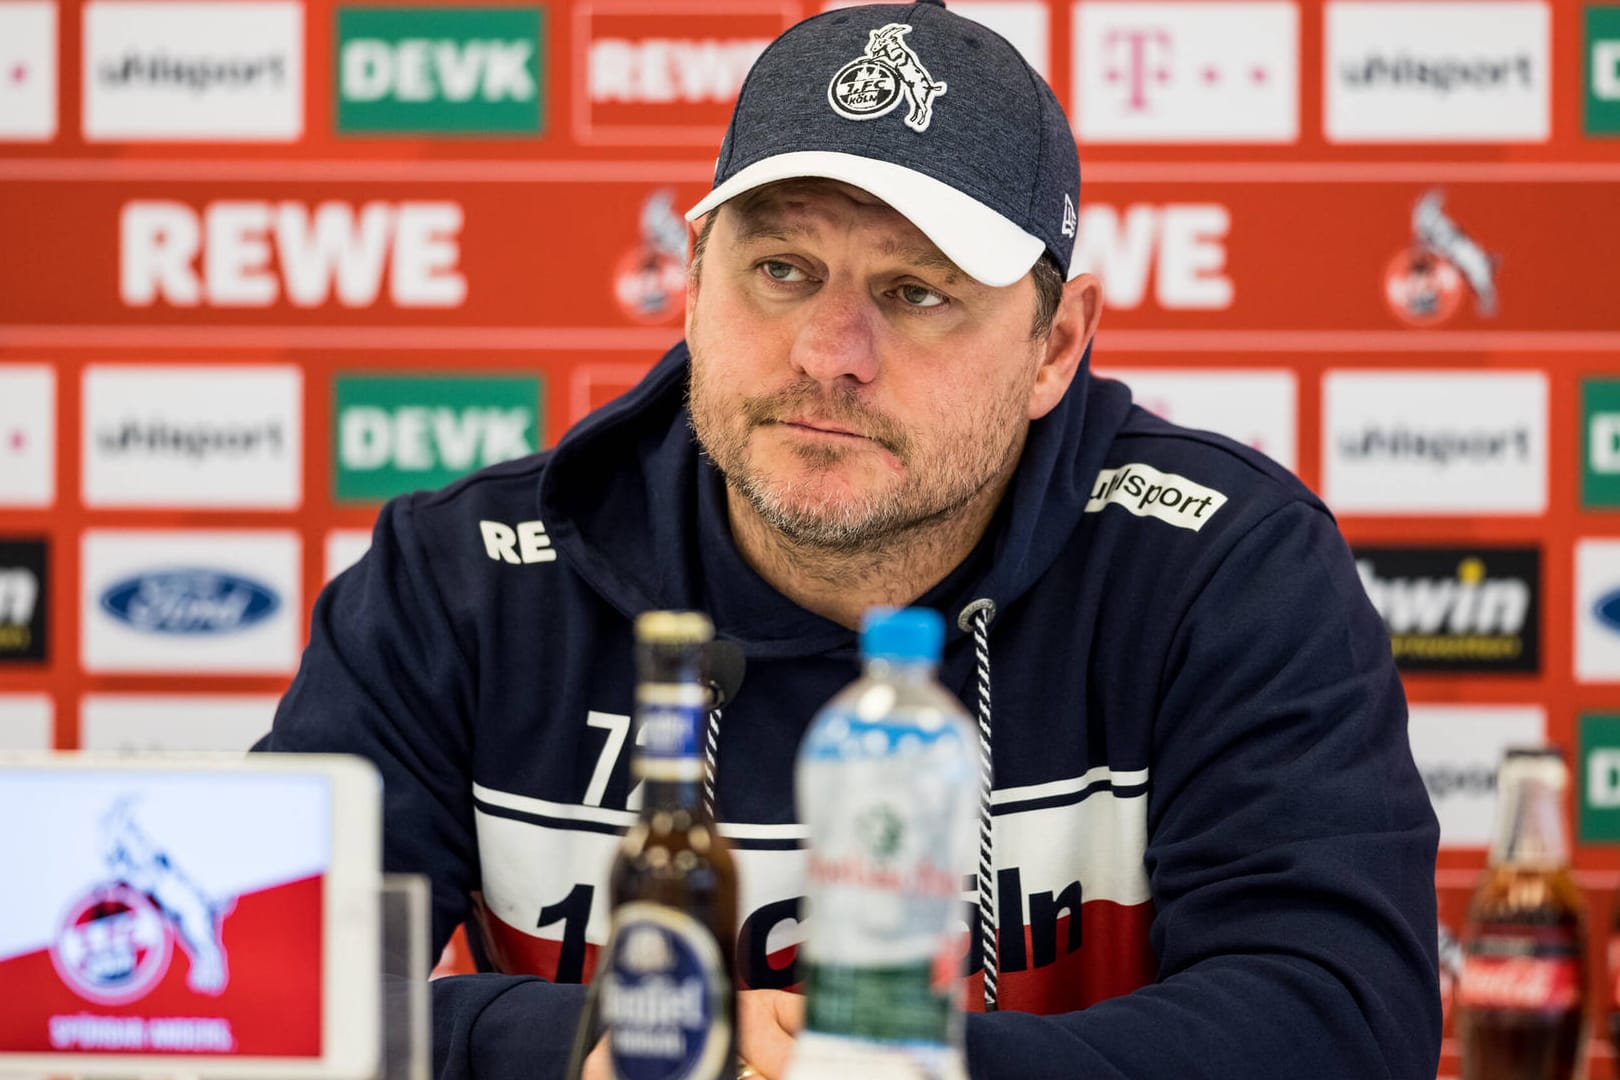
(976, 619)
(711, 751)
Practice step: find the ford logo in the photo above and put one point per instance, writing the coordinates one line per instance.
(1607, 609)
(189, 602)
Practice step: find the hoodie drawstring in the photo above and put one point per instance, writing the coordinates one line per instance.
(975, 618)
(711, 752)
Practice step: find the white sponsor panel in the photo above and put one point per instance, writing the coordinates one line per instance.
(190, 601)
(1259, 408)
(177, 722)
(187, 71)
(344, 547)
(1186, 72)
(27, 435)
(193, 436)
(1457, 749)
(27, 722)
(1434, 442)
(1146, 492)
(1024, 23)
(1597, 610)
(27, 70)
(1400, 72)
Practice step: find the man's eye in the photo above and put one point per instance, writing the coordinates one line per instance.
(920, 296)
(781, 271)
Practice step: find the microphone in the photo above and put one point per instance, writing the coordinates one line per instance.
(726, 666)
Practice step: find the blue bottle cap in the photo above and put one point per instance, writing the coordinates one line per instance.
(902, 634)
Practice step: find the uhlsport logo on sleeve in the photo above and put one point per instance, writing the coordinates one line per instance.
(176, 601)
(27, 70)
(159, 71)
(1600, 443)
(457, 70)
(1434, 442)
(1457, 749)
(1455, 608)
(195, 436)
(24, 601)
(394, 434)
(1398, 71)
(27, 435)
(1179, 72)
(1147, 492)
(1602, 69)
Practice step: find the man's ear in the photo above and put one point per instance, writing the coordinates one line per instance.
(1073, 327)
(693, 268)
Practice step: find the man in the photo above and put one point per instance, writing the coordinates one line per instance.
(1210, 853)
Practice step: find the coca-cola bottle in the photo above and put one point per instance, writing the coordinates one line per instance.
(1520, 1001)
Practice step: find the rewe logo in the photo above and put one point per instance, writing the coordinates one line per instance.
(403, 434)
(1178, 72)
(1180, 248)
(665, 71)
(252, 253)
(439, 69)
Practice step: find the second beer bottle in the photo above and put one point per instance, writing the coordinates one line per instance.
(668, 997)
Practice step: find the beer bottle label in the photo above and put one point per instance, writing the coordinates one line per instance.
(1530, 968)
(664, 996)
(671, 717)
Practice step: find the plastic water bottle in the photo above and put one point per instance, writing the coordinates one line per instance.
(886, 783)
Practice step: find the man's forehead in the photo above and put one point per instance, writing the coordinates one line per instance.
(796, 208)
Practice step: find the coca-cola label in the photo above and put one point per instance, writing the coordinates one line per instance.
(1531, 968)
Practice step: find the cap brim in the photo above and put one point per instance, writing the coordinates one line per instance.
(987, 246)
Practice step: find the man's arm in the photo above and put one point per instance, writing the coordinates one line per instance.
(384, 676)
(1291, 847)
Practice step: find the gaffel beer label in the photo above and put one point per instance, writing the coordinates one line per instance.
(663, 996)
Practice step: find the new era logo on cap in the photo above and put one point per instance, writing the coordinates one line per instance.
(982, 160)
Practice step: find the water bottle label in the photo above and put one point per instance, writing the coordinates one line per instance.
(663, 997)
(907, 1004)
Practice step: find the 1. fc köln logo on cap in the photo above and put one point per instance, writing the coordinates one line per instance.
(873, 84)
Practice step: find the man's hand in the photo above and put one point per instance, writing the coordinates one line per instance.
(767, 1021)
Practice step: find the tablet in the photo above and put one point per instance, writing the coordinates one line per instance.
(205, 915)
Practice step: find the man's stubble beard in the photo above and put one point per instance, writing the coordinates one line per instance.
(931, 494)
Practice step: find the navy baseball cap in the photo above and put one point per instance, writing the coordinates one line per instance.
(933, 113)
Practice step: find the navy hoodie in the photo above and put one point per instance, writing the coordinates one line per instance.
(1206, 817)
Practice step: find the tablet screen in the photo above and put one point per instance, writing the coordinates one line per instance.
(158, 912)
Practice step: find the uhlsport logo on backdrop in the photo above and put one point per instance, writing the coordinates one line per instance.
(161, 71)
(394, 434)
(218, 437)
(1474, 609)
(1597, 610)
(27, 70)
(1399, 71)
(1425, 283)
(1600, 443)
(1457, 749)
(204, 601)
(1434, 442)
(1258, 408)
(24, 601)
(1180, 72)
(665, 72)
(27, 435)
(458, 70)
(1602, 69)
(1598, 779)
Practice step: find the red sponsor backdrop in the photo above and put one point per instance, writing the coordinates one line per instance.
(528, 252)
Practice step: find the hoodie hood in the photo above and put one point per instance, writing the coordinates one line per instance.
(639, 513)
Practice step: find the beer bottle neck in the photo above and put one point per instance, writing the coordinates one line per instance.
(671, 717)
(663, 796)
(1530, 819)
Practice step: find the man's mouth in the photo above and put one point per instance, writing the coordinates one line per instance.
(820, 427)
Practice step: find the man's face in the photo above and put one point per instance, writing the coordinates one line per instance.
(849, 381)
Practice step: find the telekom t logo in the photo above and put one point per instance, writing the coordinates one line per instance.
(1137, 58)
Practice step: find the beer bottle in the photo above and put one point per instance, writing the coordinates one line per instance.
(1520, 1001)
(667, 997)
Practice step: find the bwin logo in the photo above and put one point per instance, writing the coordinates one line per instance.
(871, 86)
(189, 602)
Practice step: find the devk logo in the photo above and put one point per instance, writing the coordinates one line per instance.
(189, 602)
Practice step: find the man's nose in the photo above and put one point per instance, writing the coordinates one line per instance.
(838, 336)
